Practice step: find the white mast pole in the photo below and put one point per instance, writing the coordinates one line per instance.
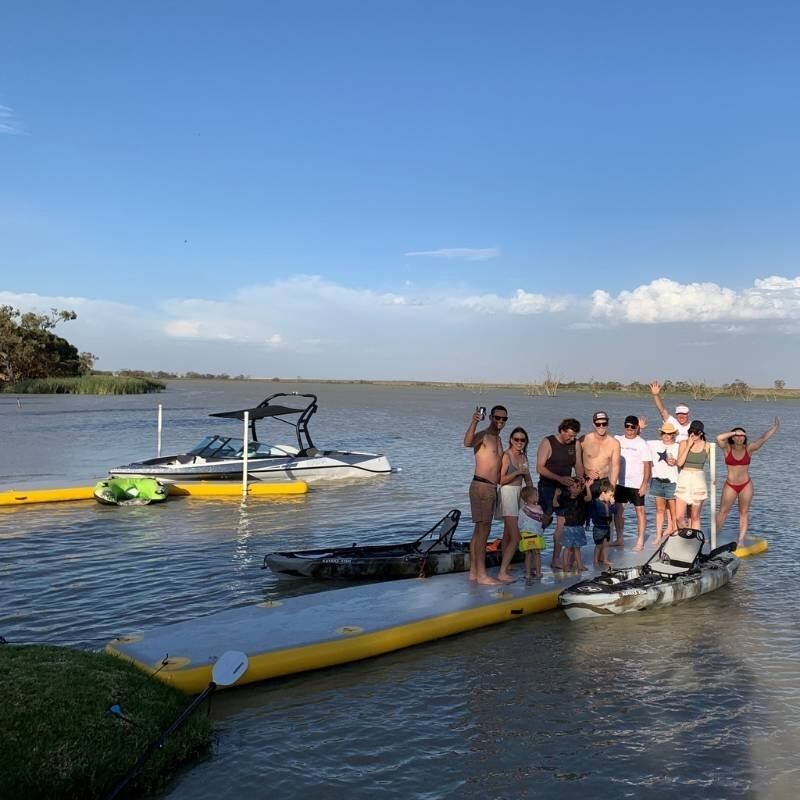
(158, 441)
(245, 437)
(713, 505)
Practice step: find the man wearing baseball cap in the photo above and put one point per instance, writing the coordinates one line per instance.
(600, 451)
(681, 418)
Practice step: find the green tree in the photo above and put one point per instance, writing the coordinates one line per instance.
(29, 348)
(780, 385)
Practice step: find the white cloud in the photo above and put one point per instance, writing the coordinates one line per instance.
(8, 122)
(183, 327)
(465, 253)
(309, 325)
(664, 300)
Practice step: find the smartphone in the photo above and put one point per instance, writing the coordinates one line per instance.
(482, 411)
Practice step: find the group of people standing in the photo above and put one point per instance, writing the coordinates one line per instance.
(588, 480)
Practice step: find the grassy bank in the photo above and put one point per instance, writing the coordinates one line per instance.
(86, 384)
(57, 739)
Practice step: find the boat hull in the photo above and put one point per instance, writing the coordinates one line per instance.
(328, 466)
(623, 591)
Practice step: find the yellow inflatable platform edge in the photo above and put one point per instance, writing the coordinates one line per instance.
(19, 497)
(353, 647)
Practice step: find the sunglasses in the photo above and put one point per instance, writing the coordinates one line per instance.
(499, 418)
(601, 424)
(518, 439)
(632, 427)
(668, 433)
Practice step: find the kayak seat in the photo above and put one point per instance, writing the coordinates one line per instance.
(443, 530)
(678, 554)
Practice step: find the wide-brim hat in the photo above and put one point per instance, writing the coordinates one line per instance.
(667, 427)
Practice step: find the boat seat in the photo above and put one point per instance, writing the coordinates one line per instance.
(310, 452)
(678, 554)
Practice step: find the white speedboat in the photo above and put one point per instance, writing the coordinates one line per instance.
(221, 457)
(677, 571)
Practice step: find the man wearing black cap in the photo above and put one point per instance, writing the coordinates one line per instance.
(636, 464)
(600, 452)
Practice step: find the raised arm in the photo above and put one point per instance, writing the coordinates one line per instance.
(776, 425)
(471, 434)
(723, 440)
(655, 390)
(683, 452)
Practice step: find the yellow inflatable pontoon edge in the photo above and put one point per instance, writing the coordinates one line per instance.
(23, 497)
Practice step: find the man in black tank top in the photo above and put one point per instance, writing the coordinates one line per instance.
(558, 455)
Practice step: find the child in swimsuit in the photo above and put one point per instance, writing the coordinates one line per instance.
(531, 530)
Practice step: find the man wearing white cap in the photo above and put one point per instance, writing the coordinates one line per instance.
(681, 418)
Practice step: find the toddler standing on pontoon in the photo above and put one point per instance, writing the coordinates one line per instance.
(531, 531)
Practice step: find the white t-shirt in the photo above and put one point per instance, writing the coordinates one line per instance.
(659, 452)
(683, 430)
(633, 454)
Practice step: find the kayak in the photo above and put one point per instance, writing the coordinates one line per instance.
(435, 552)
(677, 571)
(130, 491)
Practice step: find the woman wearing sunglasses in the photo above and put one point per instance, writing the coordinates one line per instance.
(514, 474)
(692, 489)
(738, 484)
(664, 479)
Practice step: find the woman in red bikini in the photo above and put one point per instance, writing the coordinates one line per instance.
(738, 485)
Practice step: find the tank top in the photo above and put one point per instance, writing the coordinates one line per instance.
(562, 459)
(695, 460)
(732, 461)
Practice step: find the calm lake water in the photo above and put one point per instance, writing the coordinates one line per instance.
(700, 700)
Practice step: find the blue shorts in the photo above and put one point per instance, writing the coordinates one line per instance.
(662, 488)
(573, 536)
(601, 535)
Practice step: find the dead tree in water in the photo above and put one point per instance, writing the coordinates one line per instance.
(551, 383)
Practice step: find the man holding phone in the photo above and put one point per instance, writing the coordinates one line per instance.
(488, 449)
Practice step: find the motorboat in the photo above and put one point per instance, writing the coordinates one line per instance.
(435, 552)
(219, 457)
(130, 491)
(678, 570)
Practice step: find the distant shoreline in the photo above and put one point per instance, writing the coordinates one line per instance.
(532, 389)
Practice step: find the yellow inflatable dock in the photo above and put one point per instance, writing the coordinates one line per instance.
(297, 634)
(199, 489)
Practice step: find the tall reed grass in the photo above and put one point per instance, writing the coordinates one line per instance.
(86, 384)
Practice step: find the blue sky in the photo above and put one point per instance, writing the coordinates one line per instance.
(452, 190)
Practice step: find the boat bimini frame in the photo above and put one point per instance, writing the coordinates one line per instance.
(264, 410)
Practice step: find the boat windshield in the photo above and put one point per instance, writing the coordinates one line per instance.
(225, 447)
(217, 447)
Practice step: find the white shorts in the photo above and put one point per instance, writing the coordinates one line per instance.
(691, 486)
(509, 501)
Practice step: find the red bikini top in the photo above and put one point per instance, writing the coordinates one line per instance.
(732, 461)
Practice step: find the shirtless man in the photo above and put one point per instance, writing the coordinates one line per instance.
(556, 458)
(600, 452)
(483, 489)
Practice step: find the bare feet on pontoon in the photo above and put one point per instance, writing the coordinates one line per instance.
(617, 544)
(506, 578)
(487, 581)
